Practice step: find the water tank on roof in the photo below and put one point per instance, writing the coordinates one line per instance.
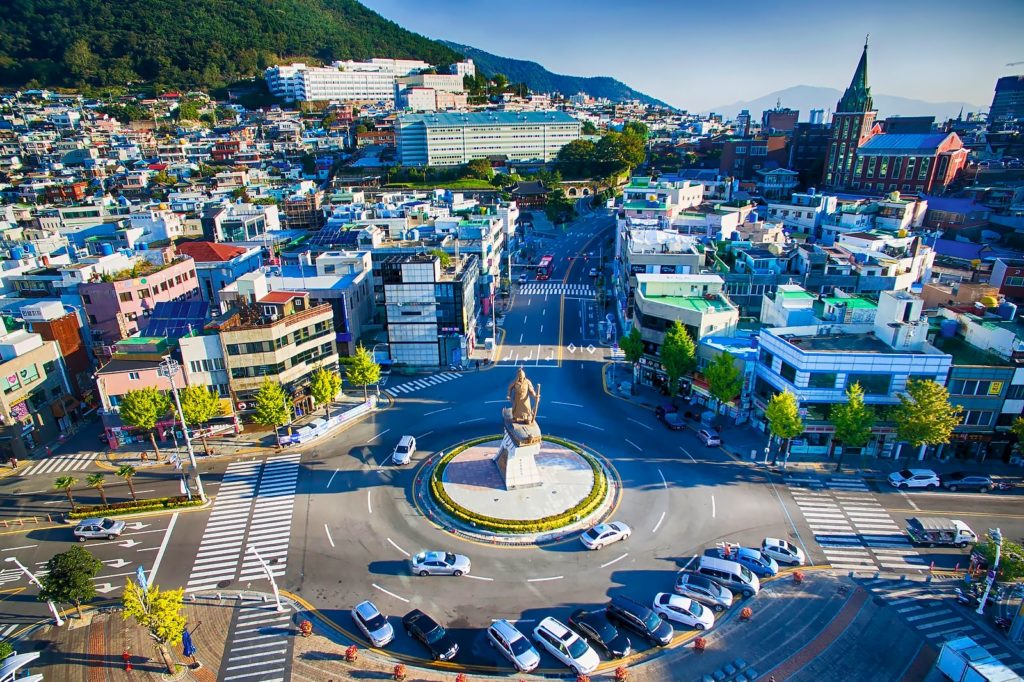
(989, 301)
(735, 236)
(1007, 311)
(107, 249)
(17, 252)
(142, 246)
(948, 328)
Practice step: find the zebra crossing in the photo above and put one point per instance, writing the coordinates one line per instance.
(258, 646)
(53, 465)
(616, 353)
(853, 529)
(7, 629)
(932, 610)
(555, 289)
(417, 384)
(253, 508)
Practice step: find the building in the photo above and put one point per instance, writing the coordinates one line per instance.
(804, 212)
(776, 183)
(743, 157)
(1008, 100)
(218, 265)
(914, 125)
(911, 163)
(239, 222)
(779, 120)
(808, 147)
(852, 126)
(1008, 275)
(134, 364)
(456, 139)
(372, 81)
(53, 322)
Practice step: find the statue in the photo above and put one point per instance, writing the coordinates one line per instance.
(520, 393)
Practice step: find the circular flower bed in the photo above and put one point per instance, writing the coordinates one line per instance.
(587, 506)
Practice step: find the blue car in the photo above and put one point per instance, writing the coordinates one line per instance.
(761, 565)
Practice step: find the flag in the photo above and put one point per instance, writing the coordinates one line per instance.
(140, 576)
(188, 648)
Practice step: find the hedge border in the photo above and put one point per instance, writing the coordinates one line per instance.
(594, 499)
(158, 504)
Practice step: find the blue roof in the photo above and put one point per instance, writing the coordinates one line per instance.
(175, 319)
(494, 118)
(908, 143)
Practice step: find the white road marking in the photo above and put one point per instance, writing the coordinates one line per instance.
(163, 548)
(329, 538)
(423, 435)
(634, 445)
(443, 409)
(332, 477)
(521, 337)
(687, 454)
(378, 435)
(658, 524)
(790, 519)
(909, 501)
(591, 426)
(541, 580)
(12, 549)
(478, 577)
(712, 506)
(369, 505)
(555, 402)
(646, 426)
(609, 563)
(491, 402)
(390, 593)
(664, 483)
(542, 329)
(470, 421)
(397, 547)
(688, 564)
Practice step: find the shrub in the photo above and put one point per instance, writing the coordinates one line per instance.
(399, 672)
(351, 653)
(133, 507)
(621, 674)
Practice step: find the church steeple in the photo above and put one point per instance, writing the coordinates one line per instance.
(857, 97)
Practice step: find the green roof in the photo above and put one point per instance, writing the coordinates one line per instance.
(696, 303)
(796, 295)
(852, 302)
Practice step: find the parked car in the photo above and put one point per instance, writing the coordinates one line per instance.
(513, 645)
(524, 278)
(729, 574)
(914, 478)
(683, 610)
(604, 534)
(963, 479)
(709, 438)
(634, 616)
(404, 450)
(704, 590)
(565, 645)
(98, 529)
(593, 272)
(670, 417)
(430, 634)
(598, 630)
(783, 552)
(373, 624)
(439, 563)
(761, 565)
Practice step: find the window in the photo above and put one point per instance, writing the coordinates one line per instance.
(970, 387)
(1014, 281)
(86, 299)
(133, 376)
(977, 418)
(49, 367)
(1015, 392)
(143, 293)
(873, 384)
(883, 167)
(194, 365)
(767, 358)
(822, 380)
(923, 174)
(788, 372)
(92, 319)
(911, 162)
(125, 296)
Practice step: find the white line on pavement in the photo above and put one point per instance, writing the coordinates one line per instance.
(369, 505)
(423, 435)
(591, 426)
(658, 524)
(478, 577)
(909, 501)
(11, 549)
(664, 483)
(443, 409)
(646, 426)
(712, 506)
(554, 402)
(378, 435)
(790, 519)
(397, 547)
(329, 538)
(634, 445)
(688, 564)
(390, 593)
(609, 563)
(687, 454)
(541, 580)
(163, 548)
(332, 477)
(470, 421)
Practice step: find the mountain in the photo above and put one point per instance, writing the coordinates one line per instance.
(190, 43)
(539, 79)
(807, 97)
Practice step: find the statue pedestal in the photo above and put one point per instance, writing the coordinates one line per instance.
(517, 454)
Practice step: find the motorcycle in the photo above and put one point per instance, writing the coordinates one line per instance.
(1003, 623)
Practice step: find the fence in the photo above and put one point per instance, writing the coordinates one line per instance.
(319, 427)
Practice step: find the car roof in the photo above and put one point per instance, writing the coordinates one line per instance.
(554, 627)
(506, 629)
(91, 522)
(921, 472)
(405, 440)
(367, 610)
(695, 579)
(601, 527)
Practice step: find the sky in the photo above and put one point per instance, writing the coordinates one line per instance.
(700, 55)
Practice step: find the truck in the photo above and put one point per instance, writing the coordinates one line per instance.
(962, 660)
(932, 531)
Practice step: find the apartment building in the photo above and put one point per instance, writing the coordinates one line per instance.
(218, 265)
(804, 212)
(370, 81)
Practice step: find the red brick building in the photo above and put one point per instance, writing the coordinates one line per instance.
(743, 157)
(909, 163)
(1008, 275)
(52, 322)
(66, 193)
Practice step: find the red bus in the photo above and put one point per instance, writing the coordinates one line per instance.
(546, 267)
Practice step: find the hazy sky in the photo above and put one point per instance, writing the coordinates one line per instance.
(698, 55)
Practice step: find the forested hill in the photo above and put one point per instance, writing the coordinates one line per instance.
(189, 43)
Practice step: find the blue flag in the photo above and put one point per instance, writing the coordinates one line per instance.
(140, 576)
(188, 648)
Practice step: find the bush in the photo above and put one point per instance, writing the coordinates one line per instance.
(134, 506)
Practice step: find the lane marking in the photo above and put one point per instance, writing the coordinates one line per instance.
(390, 593)
(470, 421)
(688, 564)
(477, 577)
(554, 402)
(12, 549)
(541, 580)
(782, 504)
(378, 435)
(332, 477)
(542, 329)
(329, 538)
(424, 435)
(609, 563)
(712, 506)
(163, 548)
(521, 337)
(909, 501)
(687, 454)
(368, 504)
(646, 426)
(634, 445)
(491, 402)
(664, 483)
(397, 547)
(591, 426)
(658, 524)
(443, 409)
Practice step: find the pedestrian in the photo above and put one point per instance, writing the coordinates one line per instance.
(476, 363)
(728, 552)
(145, 456)
(13, 461)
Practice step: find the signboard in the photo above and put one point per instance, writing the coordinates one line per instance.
(995, 388)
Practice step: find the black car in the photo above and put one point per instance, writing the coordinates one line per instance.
(595, 628)
(965, 479)
(419, 625)
(670, 417)
(635, 616)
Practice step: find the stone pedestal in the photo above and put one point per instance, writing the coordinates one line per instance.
(517, 454)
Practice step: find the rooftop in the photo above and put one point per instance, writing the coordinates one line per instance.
(965, 354)
(865, 342)
(702, 304)
(490, 118)
(852, 302)
(209, 252)
(281, 296)
(903, 143)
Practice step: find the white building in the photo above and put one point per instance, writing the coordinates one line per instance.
(804, 212)
(371, 81)
(463, 69)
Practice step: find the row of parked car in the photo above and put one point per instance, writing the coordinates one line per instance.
(956, 480)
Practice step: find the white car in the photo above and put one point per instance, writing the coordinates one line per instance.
(565, 645)
(914, 478)
(783, 552)
(683, 610)
(593, 272)
(404, 450)
(439, 563)
(604, 534)
(373, 624)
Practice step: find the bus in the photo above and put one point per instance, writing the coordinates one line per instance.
(546, 267)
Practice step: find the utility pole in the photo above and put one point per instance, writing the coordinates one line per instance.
(169, 367)
(997, 537)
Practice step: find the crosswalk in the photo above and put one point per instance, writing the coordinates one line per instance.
(418, 384)
(853, 529)
(6, 629)
(258, 646)
(253, 508)
(932, 610)
(617, 353)
(555, 289)
(53, 465)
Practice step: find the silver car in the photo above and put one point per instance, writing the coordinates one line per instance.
(704, 590)
(439, 563)
(102, 529)
(373, 624)
(513, 645)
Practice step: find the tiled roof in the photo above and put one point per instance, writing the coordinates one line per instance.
(280, 296)
(904, 143)
(210, 252)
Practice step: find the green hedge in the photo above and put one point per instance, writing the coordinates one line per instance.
(133, 507)
(587, 506)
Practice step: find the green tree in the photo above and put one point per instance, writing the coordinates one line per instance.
(200, 404)
(725, 380)
(325, 385)
(578, 158)
(127, 472)
(159, 612)
(853, 421)
(588, 128)
(479, 168)
(632, 345)
(81, 61)
(924, 416)
(66, 483)
(142, 409)
(783, 416)
(69, 578)
(500, 82)
(443, 256)
(363, 370)
(97, 481)
(558, 206)
(272, 405)
(636, 128)
(6, 649)
(188, 111)
(678, 355)
(1018, 429)
(1011, 558)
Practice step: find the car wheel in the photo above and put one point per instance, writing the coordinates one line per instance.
(456, 573)
(111, 537)
(578, 671)
(422, 573)
(901, 486)
(719, 608)
(962, 545)
(953, 488)
(932, 485)
(748, 593)
(81, 538)
(699, 626)
(626, 536)
(983, 489)
(598, 546)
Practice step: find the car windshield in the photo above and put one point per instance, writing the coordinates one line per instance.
(906, 473)
(107, 523)
(790, 547)
(433, 635)
(375, 622)
(652, 622)
(747, 575)
(577, 647)
(402, 448)
(519, 646)
(696, 609)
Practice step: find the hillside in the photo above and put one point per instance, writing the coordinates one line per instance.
(539, 79)
(189, 43)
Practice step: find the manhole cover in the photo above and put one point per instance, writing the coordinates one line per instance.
(223, 583)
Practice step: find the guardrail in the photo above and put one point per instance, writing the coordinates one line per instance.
(23, 520)
(305, 434)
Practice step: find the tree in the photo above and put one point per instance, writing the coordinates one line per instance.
(443, 256)
(853, 421)
(325, 385)
(500, 82)
(558, 205)
(272, 405)
(783, 415)
(81, 62)
(632, 345)
(363, 370)
(97, 481)
(924, 416)
(637, 128)
(188, 111)
(479, 168)
(1018, 429)
(6, 649)
(143, 408)
(588, 128)
(158, 611)
(200, 404)
(1011, 558)
(68, 578)
(127, 472)
(678, 355)
(66, 483)
(725, 380)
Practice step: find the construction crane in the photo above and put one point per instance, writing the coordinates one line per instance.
(1014, 63)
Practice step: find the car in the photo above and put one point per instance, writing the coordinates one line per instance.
(914, 478)
(513, 645)
(634, 616)
(430, 634)
(761, 565)
(565, 645)
(704, 590)
(524, 278)
(404, 450)
(604, 534)
(964, 479)
(373, 624)
(98, 529)
(683, 610)
(598, 630)
(439, 563)
(670, 417)
(783, 552)
(593, 272)
(709, 438)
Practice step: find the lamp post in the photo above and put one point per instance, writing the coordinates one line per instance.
(373, 352)
(997, 537)
(270, 575)
(170, 367)
(35, 581)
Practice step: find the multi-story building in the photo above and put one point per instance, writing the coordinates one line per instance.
(808, 147)
(1008, 275)
(779, 120)
(239, 222)
(1008, 100)
(52, 322)
(218, 265)
(909, 163)
(852, 125)
(743, 157)
(675, 195)
(302, 210)
(804, 212)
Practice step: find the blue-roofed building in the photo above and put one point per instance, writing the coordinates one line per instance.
(909, 163)
(454, 139)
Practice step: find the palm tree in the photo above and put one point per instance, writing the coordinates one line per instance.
(66, 483)
(127, 471)
(97, 481)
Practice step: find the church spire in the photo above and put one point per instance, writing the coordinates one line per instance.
(858, 96)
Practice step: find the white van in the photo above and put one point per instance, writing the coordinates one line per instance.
(404, 450)
(729, 574)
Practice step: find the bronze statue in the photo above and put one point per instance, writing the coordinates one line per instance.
(520, 392)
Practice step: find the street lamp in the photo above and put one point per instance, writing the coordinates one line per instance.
(997, 537)
(169, 367)
(373, 352)
(270, 575)
(35, 581)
